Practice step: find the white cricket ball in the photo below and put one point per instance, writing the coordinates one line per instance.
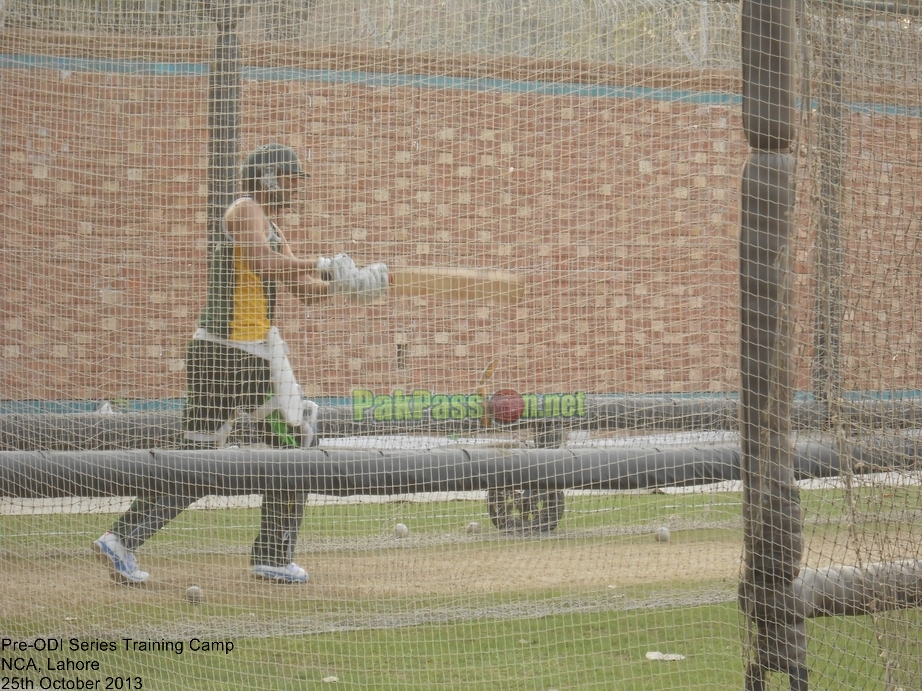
(473, 527)
(662, 534)
(400, 530)
(194, 594)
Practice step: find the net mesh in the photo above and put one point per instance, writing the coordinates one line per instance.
(590, 149)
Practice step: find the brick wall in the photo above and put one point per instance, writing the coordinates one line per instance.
(621, 212)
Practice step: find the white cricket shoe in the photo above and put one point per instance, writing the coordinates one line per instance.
(284, 574)
(125, 567)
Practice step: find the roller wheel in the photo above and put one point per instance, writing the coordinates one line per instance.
(524, 510)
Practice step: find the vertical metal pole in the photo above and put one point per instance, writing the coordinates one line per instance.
(830, 156)
(771, 504)
(223, 116)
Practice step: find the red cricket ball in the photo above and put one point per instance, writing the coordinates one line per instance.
(506, 406)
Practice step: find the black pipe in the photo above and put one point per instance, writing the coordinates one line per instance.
(30, 474)
(163, 430)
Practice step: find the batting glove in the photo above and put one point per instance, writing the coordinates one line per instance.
(340, 272)
(370, 283)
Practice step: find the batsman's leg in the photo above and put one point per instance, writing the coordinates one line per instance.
(273, 550)
(147, 515)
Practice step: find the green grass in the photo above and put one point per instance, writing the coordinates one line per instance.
(338, 522)
(554, 642)
(588, 651)
(601, 650)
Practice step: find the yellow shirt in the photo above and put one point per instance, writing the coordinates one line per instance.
(239, 306)
(250, 320)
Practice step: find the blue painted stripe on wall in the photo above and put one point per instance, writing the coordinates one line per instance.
(373, 79)
(419, 81)
(486, 84)
(45, 62)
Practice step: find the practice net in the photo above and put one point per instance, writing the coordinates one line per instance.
(505, 490)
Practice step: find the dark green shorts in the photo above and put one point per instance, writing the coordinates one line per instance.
(220, 381)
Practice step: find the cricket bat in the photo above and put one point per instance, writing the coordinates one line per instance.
(458, 284)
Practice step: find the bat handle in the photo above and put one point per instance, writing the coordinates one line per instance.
(328, 276)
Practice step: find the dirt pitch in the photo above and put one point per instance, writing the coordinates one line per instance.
(388, 582)
(404, 575)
